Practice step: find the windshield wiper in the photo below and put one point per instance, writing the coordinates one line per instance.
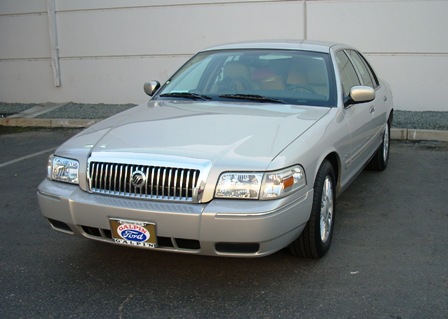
(187, 95)
(252, 97)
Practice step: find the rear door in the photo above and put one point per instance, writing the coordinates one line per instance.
(379, 110)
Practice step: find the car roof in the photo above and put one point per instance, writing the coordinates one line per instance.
(304, 45)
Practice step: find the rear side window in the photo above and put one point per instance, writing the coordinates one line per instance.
(347, 73)
(376, 83)
(364, 69)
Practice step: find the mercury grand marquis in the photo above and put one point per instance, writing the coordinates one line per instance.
(242, 152)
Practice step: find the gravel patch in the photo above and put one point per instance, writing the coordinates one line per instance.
(427, 120)
(8, 109)
(86, 111)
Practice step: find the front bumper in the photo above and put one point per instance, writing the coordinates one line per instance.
(238, 228)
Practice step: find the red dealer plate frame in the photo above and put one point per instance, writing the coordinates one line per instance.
(133, 232)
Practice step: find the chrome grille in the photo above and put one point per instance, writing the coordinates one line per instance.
(149, 182)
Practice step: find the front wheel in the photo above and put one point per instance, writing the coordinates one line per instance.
(315, 239)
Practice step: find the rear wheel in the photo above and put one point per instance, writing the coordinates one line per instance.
(381, 158)
(315, 239)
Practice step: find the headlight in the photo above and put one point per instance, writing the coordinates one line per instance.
(62, 169)
(239, 185)
(270, 185)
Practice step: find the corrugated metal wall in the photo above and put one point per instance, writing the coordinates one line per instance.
(108, 48)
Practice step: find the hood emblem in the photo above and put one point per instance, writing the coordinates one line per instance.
(138, 179)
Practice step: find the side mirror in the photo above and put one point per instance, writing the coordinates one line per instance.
(361, 94)
(151, 87)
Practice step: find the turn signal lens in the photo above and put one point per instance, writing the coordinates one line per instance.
(281, 183)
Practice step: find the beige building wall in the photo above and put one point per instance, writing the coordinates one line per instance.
(107, 49)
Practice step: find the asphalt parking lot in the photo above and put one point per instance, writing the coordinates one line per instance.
(389, 257)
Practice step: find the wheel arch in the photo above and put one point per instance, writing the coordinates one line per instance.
(335, 161)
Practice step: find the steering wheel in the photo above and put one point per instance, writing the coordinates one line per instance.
(235, 84)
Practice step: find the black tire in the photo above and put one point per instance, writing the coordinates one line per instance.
(315, 239)
(381, 158)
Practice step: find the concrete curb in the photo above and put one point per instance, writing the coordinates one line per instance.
(396, 133)
(418, 135)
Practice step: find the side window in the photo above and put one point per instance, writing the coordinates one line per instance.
(348, 75)
(362, 68)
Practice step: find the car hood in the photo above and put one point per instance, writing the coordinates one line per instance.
(237, 134)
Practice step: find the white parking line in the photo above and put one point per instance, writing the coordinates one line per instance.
(27, 157)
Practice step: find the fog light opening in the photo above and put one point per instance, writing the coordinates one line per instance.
(60, 226)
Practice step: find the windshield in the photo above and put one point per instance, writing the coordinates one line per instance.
(259, 76)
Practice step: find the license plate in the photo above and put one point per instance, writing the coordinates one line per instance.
(135, 233)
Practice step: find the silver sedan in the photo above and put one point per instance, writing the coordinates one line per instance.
(242, 152)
